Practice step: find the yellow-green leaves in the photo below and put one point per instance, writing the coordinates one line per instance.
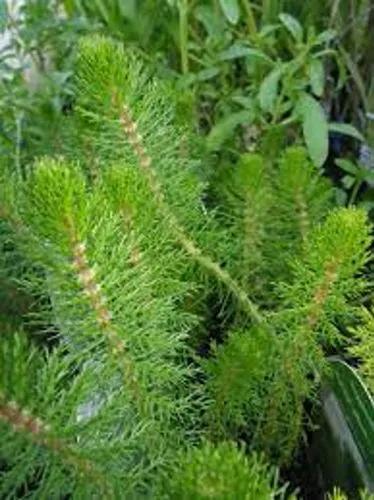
(54, 199)
(363, 349)
(222, 472)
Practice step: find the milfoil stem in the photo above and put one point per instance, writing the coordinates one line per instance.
(145, 163)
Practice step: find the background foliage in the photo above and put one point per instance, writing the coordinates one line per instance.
(185, 240)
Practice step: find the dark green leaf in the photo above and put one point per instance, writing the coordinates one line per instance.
(346, 129)
(212, 21)
(128, 9)
(347, 166)
(356, 75)
(347, 432)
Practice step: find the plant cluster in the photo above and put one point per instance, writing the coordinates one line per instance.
(118, 378)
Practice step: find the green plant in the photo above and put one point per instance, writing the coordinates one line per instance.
(123, 253)
(356, 175)
(268, 210)
(271, 402)
(344, 443)
(220, 472)
(35, 74)
(363, 347)
(221, 54)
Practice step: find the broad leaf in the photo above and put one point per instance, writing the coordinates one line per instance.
(231, 10)
(343, 446)
(269, 89)
(346, 129)
(293, 26)
(315, 129)
(347, 166)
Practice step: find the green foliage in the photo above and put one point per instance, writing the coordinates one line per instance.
(236, 381)
(268, 212)
(356, 175)
(19, 365)
(363, 347)
(118, 330)
(123, 249)
(233, 77)
(35, 73)
(263, 380)
(220, 472)
(246, 200)
(321, 295)
(302, 200)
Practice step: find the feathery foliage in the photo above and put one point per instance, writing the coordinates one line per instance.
(120, 332)
(264, 379)
(363, 347)
(115, 247)
(220, 472)
(268, 211)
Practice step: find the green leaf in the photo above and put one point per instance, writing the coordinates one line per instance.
(347, 166)
(341, 197)
(315, 129)
(231, 10)
(225, 128)
(348, 181)
(293, 26)
(207, 74)
(346, 129)
(211, 19)
(346, 452)
(325, 37)
(356, 75)
(317, 77)
(269, 89)
(239, 50)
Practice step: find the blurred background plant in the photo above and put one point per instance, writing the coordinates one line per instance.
(249, 75)
(35, 69)
(241, 67)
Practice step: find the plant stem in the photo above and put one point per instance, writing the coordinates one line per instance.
(251, 20)
(183, 34)
(145, 163)
(354, 193)
(18, 119)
